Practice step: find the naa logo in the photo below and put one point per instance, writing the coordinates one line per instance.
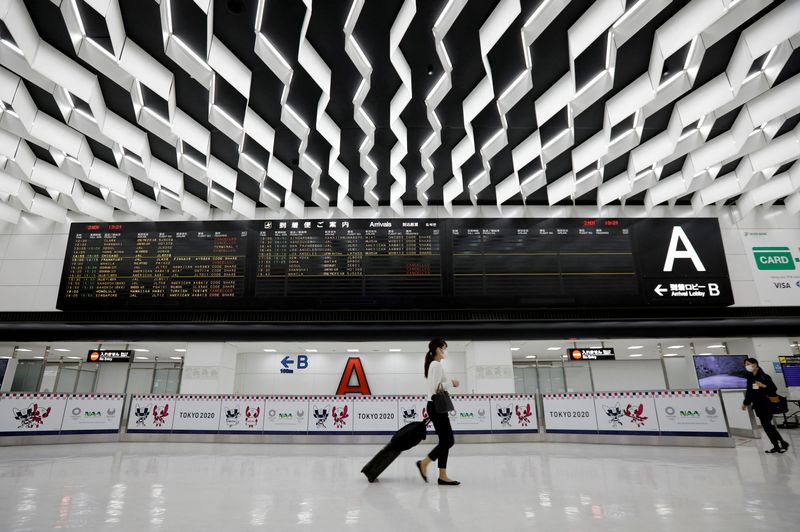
(31, 417)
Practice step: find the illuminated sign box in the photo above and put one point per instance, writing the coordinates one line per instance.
(100, 355)
(604, 353)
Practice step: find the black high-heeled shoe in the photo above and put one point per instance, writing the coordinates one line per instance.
(419, 468)
(449, 482)
(775, 450)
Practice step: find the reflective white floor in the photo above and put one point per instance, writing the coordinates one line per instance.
(136, 487)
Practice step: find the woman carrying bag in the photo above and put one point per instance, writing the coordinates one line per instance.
(439, 406)
(762, 394)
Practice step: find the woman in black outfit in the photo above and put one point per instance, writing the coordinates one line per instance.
(435, 375)
(759, 388)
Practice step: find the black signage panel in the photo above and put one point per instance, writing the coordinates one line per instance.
(591, 353)
(395, 263)
(106, 355)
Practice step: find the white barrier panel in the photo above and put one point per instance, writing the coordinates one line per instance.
(286, 414)
(411, 408)
(626, 413)
(471, 414)
(242, 414)
(690, 413)
(569, 413)
(514, 413)
(198, 414)
(330, 414)
(31, 413)
(374, 414)
(151, 413)
(737, 418)
(93, 413)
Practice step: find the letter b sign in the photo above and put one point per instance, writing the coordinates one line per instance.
(302, 361)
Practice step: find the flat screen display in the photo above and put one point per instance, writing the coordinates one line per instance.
(475, 263)
(720, 372)
(791, 370)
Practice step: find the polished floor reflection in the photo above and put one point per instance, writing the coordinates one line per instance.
(193, 487)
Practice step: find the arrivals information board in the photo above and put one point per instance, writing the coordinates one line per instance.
(395, 263)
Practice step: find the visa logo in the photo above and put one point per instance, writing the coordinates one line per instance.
(782, 285)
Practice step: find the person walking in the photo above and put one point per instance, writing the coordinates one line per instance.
(436, 377)
(759, 388)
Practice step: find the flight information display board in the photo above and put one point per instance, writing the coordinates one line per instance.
(395, 263)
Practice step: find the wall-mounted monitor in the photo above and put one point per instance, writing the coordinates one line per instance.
(720, 372)
(791, 370)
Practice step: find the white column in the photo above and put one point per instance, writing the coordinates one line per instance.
(489, 368)
(208, 368)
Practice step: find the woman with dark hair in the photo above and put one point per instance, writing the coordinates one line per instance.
(759, 388)
(434, 373)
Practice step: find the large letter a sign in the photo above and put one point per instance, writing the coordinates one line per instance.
(361, 387)
(688, 253)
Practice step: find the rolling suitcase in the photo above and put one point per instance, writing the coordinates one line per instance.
(380, 462)
(402, 440)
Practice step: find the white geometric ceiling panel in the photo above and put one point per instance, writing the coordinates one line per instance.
(191, 106)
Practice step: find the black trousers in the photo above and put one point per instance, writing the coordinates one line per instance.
(441, 422)
(772, 432)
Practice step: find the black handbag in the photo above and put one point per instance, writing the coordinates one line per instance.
(442, 403)
(778, 404)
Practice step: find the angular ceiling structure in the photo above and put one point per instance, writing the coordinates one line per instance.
(188, 106)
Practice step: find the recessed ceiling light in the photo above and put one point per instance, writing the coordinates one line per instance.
(180, 350)
(62, 350)
(311, 350)
(515, 348)
(636, 347)
(674, 346)
(531, 356)
(142, 350)
(596, 347)
(74, 358)
(352, 350)
(270, 351)
(554, 349)
(5, 357)
(395, 350)
(23, 350)
(715, 346)
(176, 358)
(40, 358)
(563, 356)
(703, 354)
(146, 358)
(670, 354)
(636, 355)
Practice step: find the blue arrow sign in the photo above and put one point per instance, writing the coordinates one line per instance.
(286, 361)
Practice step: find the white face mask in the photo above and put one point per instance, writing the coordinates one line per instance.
(749, 367)
(444, 352)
